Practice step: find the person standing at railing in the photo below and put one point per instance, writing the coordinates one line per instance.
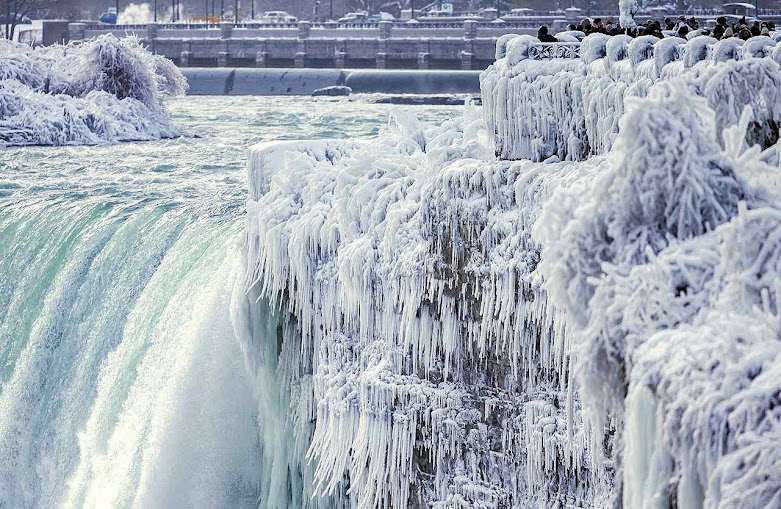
(544, 36)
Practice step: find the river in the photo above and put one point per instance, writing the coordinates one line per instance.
(121, 382)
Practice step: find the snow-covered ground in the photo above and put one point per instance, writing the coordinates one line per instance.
(600, 329)
(103, 90)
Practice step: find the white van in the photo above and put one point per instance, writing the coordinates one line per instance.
(278, 17)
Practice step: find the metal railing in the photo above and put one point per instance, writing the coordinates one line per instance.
(554, 50)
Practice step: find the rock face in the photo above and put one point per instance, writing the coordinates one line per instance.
(433, 327)
(333, 91)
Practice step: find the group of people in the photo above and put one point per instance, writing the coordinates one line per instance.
(683, 27)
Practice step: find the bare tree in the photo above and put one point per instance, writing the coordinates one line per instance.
(13, 12)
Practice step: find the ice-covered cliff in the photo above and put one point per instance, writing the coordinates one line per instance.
(103, 90)
(457, 330)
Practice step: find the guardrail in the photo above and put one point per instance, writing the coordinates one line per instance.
(552, 50)
(689, 52)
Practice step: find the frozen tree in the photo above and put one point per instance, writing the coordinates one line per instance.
(14, 12)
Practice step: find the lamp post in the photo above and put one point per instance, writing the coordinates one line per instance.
(155, 14)
(331, 10)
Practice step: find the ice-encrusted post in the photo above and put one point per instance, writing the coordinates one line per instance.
(260, 58)
(628, 9)
(466, 60)
(226, 30)
(424, 58)
(151, 31)
(385, 29)
(339, 59)
(470, 29)
(304, 28)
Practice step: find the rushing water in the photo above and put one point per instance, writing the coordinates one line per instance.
(121, 382)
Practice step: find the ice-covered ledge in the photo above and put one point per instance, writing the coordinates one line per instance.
(266, 159)
(431, 367)
(464, 331)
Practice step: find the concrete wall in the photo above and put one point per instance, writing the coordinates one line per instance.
(385, 45)
(210, 81)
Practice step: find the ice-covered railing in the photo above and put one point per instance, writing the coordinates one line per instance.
(548, 50)
(100, 90)
(702, 50)
(570, 108)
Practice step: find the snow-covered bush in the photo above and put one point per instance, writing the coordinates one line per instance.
(101, 90)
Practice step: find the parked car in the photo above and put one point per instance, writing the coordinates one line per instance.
(278, 17)
(109, 17)
(354, 17)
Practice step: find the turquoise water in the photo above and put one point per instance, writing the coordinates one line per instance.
(121, 382)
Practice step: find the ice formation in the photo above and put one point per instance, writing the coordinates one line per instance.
(103, 90)
(599, 329)
(571, 108)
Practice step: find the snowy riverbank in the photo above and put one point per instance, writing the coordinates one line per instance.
(103, 90)
(463, 331)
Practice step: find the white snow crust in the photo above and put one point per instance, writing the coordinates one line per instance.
(102, 90)
(599, 328)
